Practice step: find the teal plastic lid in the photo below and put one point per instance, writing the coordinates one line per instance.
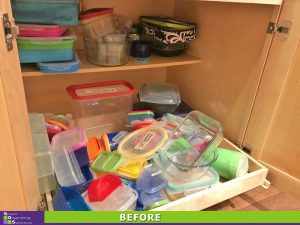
(107, 162)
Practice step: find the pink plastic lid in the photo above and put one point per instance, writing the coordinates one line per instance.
(90, 13)
(101, 90)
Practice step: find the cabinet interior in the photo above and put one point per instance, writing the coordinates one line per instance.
(232, 46)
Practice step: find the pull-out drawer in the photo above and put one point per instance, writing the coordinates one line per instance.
(217, 193)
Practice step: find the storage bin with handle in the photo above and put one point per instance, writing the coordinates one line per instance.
(62, 12)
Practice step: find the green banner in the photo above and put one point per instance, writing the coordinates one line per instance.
(174, 217)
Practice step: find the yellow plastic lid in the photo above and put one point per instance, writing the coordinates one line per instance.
(132, 170)
(143, 143)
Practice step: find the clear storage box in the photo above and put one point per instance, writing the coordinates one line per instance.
(102, 107)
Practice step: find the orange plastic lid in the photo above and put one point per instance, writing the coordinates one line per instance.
(105, 142)
(94, 147)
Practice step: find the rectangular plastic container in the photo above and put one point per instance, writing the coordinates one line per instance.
(42, 153)
(102, 107)
(106, 54)
(35, 56)
(35, 30)
(60, 67)
(95, 23)
(62, 12)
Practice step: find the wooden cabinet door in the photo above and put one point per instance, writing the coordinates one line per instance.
(273, 129)
(18, 186)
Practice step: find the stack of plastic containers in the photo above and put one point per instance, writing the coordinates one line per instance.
(42, 153)
(43, 37)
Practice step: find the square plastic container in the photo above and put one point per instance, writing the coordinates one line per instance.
(95, 23)
(122, 199)
(67, 199)
(106, 54)
(60, 67)
(102, 107)
(63, 12)
(161, 98)
(107, 162)
(88, 176)
(34, 30)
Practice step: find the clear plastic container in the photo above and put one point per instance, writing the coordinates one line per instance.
(102, 107)
(34, 30)
(122, 199)
(161, 98)
(143, 143)
(106, 54)
(94, 25)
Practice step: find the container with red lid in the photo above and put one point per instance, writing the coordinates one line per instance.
(96, 22)
(102, 107)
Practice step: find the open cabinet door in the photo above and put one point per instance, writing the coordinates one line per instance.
(273, 129)
(18, 187)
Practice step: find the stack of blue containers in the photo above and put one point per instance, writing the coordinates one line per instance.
(43, 38)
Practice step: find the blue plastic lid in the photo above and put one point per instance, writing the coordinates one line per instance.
(151, 180)
(60, 66)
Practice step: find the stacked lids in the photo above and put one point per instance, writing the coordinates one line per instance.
(94, 12)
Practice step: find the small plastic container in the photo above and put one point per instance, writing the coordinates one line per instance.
(107, 162)
(161, 98)
(102, 107)
(94, 147)
(146, 200)
(106, 54)
(131, 170)
(151, 180)
(60, 67)
(122, 199)
(101, 188)
(140, 115)
(67, 199)
(88, 176)
(112, 140)
(96, 22)
(34, 30)
(143, 143)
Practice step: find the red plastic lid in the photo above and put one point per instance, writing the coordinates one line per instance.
(100, 90)
(90, 13)
(101, 188)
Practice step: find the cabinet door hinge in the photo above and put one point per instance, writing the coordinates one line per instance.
(283, 29)
(10, 31)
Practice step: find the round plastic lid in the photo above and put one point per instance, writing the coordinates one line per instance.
(143, 143)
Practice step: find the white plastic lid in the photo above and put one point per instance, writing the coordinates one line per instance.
(160, 94)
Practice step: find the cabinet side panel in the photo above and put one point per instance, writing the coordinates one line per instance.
(232, 46)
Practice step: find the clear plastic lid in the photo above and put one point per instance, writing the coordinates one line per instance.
(151, 180)
(37, 123)
(160, 94)
(121, 199)
(143, 143)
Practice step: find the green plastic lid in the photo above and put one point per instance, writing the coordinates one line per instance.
(107, 162)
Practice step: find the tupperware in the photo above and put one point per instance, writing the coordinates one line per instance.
(106, 54)
(140, 115)
(102, 187)
(42, 153)
(67, 199)
(60, 67)
(95, 23)
(131, 170)
(151, 180)
(143, 143)
(88, 176)
(122, 199)
(102, 107)
(35, 30)
(146, 200)
(94, 147)
(161, 98)
(45, 49)
(63, 12)
(107, 162)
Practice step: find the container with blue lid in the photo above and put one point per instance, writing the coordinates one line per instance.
(60, 67)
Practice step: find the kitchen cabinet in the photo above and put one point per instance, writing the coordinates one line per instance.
(242, 70)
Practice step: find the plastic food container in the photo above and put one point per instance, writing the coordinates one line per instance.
(67, 199)
(60, 67)
(146, 200)
(107, 162)
(140, 115)
(112, 140)
(143, 143)
(94, 147)
(151, 180)
(88, 176)
(102, 107)
(122, 199)
(63, 12)
(101, 188)
(42, 153)
(161, 98)
(34, 30)
(115, 38)
(106, 54)
(42, 49)
(96, 22)
(131, 170)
